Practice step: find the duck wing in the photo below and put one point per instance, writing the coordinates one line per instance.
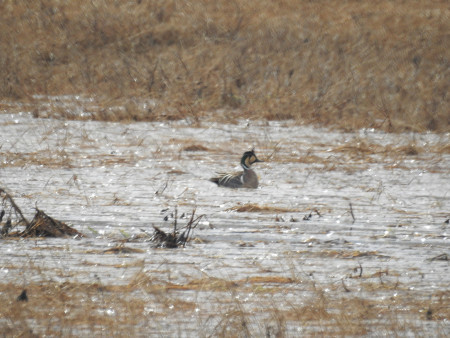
(228, 180)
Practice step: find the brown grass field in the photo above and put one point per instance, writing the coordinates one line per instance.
(347, 64)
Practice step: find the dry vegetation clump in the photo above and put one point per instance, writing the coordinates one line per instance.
(41, 225)
(195, 147)
(47, 158)
(363, 151)
(349, 64)
(251, 207)
(176, 238)
(121, 249)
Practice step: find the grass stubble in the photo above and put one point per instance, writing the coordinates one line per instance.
(347, 64)
(279, 306)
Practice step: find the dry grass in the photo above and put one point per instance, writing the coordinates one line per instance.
(263, 304)
(347, 64)
(359, 153)
(251, 207)
(195, 147)
(86, 309)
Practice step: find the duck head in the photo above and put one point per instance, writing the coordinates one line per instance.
(248, 159)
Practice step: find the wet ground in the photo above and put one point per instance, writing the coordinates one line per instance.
(332, 208)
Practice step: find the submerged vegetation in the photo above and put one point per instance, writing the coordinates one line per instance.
(345, 64)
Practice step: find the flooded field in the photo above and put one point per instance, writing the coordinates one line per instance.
(347, 234)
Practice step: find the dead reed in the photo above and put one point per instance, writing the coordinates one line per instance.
(251, 207)
(146, 304)
(344, 64)
(41, 225)
(179, 236)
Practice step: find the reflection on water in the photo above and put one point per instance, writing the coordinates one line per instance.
(353, 203)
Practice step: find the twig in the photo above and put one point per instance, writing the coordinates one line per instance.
(161, 190)
(441, 257)
(14, 206)
(351, 213)
(276, 148)
(191, 224)
(175, 222)
(151, 73)
(178, 56)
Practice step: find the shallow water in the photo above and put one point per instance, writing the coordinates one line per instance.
(113, 180)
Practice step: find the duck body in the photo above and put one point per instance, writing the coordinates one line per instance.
(244, 179)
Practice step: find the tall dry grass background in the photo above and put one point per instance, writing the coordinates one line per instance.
(350, 64)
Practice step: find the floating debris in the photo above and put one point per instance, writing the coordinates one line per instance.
(251, 207)
(167, 240)
(308, 217)
(441, 257)
(121, 249)
(195, 147)
(42, 225)
(176, 238)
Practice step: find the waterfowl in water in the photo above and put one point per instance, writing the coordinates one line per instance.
(244, 179)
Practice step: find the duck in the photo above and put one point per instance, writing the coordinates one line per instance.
(244, 179)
